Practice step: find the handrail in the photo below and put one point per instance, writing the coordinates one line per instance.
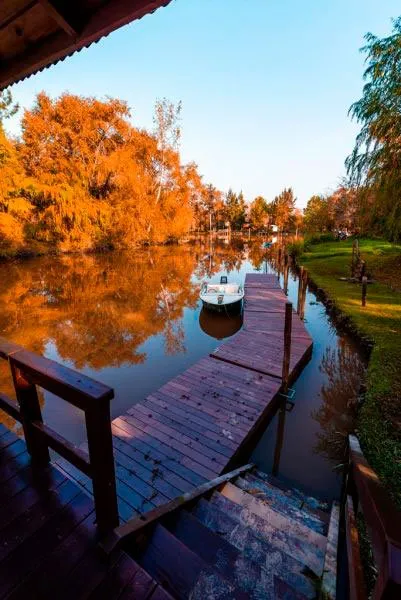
(383, 522)
(29, 370)
(127, 530)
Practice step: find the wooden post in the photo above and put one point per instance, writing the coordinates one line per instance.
(100, 447)
(287, 345)
(279, 439)
(27, 397)
(300, 285)
(364, 289)
(303, 295)
(279, 263)
(363, 269)
(286, 270)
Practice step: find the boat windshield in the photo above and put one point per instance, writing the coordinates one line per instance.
(230, 288)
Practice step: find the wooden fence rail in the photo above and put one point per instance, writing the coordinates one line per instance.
(383, 524)
(28, 371)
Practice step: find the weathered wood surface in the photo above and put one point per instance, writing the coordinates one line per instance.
(191, 429)
(48, 537)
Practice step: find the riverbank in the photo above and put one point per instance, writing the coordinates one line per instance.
(379, 324)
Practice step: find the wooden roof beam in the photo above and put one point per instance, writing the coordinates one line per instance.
(60, 18)
(16, 14)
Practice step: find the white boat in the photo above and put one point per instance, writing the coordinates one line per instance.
(222, 296)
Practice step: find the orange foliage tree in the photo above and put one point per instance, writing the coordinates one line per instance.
(82, 177)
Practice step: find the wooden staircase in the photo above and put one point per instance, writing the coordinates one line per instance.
(252, 537)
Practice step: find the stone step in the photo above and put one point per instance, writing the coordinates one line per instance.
(274, 563)
(298, 541)
(283, 503)
(256, 579)
(293, 492)
(275, 518)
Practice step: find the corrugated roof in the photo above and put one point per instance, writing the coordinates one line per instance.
(35, 34)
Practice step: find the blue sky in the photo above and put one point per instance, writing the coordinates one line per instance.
(265, 84)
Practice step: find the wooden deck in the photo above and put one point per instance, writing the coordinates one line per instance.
(194, 427)
(48, 538)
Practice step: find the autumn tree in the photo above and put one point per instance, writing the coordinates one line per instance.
(235, 209)
(317, 214)
(375, 163)
(282, 209)
(258, 213)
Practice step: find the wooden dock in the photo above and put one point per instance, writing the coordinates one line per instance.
(49, 538)
(195, 426)
(175, 445)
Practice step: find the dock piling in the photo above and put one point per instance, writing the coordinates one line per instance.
(287, 345)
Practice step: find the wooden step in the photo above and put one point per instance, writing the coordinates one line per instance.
(279, 501)
(254, 578)
(287, 535)
(294, 492)
(182, 572)
(257, 549)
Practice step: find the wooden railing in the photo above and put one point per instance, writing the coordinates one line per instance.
(29, 370)
(383, 525)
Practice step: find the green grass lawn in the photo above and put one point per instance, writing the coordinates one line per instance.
(379, 422)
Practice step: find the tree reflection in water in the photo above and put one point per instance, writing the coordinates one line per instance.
(344, 371)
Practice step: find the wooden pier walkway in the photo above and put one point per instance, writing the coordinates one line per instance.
(195, 426)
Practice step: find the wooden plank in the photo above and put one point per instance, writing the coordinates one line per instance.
(78, 389)
(177, 433)
(32, 519)
(357, 587)
(154, 477)
(31, 494)
(28, 555)
(177, 413)
(201, 463)
(52, 573)
(120, 576)
(155, 450)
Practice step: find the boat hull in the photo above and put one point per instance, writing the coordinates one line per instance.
(232, 307)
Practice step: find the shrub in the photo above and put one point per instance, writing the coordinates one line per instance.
(319, 238)
(295, 249)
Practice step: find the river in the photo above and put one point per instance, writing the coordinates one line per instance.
(134, 320)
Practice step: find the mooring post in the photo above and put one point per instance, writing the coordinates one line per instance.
(279, 263)
(300, 284)
(303, 295)
(364, 289)
(287, 345)
(286, 270)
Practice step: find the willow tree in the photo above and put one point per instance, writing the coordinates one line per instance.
(375, 163)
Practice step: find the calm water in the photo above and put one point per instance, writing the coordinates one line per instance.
(134, 321)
